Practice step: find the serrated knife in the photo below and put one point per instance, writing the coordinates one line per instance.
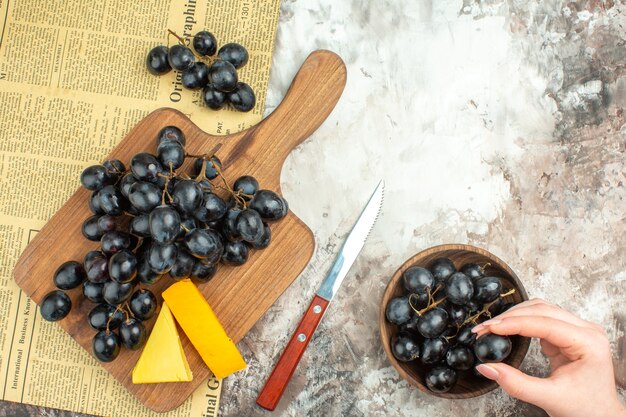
(279, 378)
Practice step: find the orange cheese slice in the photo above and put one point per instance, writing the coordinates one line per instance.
(198, 321)
(163, 358)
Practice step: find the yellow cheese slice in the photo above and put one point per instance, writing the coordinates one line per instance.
(163, 358)
(196, 318)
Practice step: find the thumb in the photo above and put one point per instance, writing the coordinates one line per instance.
(517, 384)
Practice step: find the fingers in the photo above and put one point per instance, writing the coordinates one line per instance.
(541, 308)
(517, 384)
(569, 338)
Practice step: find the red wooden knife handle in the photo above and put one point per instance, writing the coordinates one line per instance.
(279, 378)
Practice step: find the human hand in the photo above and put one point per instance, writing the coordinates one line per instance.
(581, 381)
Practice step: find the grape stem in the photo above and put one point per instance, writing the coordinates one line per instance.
(427, 308)
(486, 307)
(170, 32)
(181, 41)
(208, 155)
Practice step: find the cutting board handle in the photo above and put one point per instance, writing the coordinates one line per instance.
(313, 94)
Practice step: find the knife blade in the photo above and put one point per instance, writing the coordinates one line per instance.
(283, 370)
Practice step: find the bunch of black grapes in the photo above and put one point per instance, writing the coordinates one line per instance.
(436, 316)
(152, 220)
(218, 77)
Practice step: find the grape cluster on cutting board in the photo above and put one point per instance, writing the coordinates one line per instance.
(436, 316)
(217, 77)
(152, 220)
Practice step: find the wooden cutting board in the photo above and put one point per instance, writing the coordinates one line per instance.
(238, 295)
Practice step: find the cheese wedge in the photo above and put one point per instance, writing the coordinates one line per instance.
(196, 318)
(163, 358)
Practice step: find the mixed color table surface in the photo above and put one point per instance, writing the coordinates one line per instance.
(500, 124)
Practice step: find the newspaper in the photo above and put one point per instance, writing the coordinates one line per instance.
(72, 84)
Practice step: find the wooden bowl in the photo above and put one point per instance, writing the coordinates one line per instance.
(468, 384)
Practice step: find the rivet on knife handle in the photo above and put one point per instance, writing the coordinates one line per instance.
(277, 382)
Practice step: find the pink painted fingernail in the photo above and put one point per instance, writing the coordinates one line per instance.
(488, 371)
(491, 322)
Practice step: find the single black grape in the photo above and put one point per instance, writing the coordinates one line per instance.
(242, 97)
(442, 268)
(487, 289)
(459, 288)
(210, 170)
(247, 185)
(269, 205)
(249, 225)
(164, 224)
(112, 201)
(140, 225)
(196, 76)
(235, 253)
(180, 57)
(187, 196)
(95, 177)
(104, 313)
(133, 334)
(398, 310)
(212, 208)
(171, 133)
(234, 53)
(433, 322)
(204, 244)
(144, 271)
(213, 98)
(144, 196)
(98, 270)
(466, 336)
(205, 43)
(456, 314)
(203, 272)
(405, 346)
(474, 271)
(157, 60)
(418, 280)
(91, 230)
(55, 306)
(143, 304)
(126, 183)
(69, 275)
(229, 228)
(223, 76)
(106, 346)
(171, 153)
(492, 348)
(94, 204)
(93, 291)
(145, 167)
(162, 257)
(441, 379)
(115, 293)
(460, 358)
(433, 350)
(265, 239)
(115, 241)
(123, 266)
(184, 264)
(472, 307)
(107, 223)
